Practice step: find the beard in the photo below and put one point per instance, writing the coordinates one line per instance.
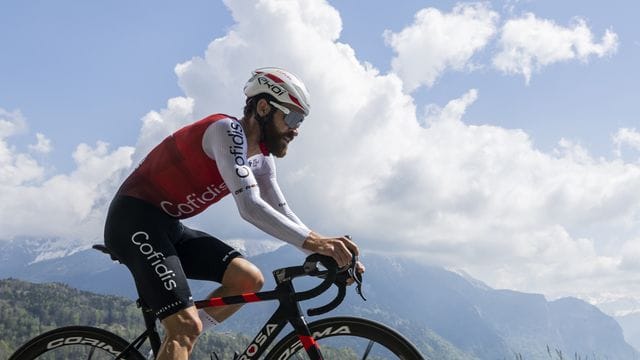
(274, 140)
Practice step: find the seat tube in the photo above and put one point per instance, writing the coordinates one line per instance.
(150, 323)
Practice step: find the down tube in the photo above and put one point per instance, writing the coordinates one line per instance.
(265, 337)
(306, 339)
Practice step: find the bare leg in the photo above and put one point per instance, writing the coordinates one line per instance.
(182, 330)
(240, 277)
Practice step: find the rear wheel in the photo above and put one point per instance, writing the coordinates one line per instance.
(347, 338)
(76, 342)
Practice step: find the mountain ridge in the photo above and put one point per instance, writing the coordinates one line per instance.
(434, 306)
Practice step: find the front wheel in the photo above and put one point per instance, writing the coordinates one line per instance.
(347, 338)
(76, 342)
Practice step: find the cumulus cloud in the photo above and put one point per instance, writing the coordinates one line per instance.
(482, 198)
(73, 204)
(529, 43)
(626, 137)
(15, 168)
(157, 125)
(43, 144)
(439, 41)
(11, 123)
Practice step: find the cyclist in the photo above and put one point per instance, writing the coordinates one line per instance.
(192, 169)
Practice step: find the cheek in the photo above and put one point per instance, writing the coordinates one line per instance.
(281, 125)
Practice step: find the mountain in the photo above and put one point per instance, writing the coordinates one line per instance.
(631, 325)
(86, 269)
(442, 311)
(627, 312)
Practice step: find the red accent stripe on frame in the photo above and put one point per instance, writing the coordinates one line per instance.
(251, 297)
(216, 302)
(307, 341)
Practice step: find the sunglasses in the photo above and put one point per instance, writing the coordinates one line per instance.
(292, 118)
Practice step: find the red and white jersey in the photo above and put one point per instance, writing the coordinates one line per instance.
(200, 164)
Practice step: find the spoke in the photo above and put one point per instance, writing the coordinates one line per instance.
(368, 350)
(91, 353)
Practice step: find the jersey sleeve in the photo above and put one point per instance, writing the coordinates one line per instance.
(270, 190)
(224, 141)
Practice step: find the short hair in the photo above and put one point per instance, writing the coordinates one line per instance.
(252, 102)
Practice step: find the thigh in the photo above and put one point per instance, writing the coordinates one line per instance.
(203, 256)
(141, 237)
(241, 274)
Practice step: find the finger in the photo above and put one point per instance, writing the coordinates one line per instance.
(343, 253)
(337, 254)
(353, 248)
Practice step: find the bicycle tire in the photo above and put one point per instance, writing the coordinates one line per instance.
(341, 332)
(72, 341)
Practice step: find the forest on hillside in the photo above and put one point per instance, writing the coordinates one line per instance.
(27, 310)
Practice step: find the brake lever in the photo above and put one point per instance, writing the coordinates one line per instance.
(356, 276)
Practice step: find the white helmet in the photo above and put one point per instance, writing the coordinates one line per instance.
(281, 84)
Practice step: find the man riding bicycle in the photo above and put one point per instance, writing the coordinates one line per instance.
(192, 169)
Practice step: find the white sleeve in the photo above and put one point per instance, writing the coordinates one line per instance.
(270, 190)
(224, 141)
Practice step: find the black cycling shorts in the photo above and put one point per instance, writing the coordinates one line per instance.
(162, 253)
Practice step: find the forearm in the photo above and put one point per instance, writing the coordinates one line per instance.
(272, 222)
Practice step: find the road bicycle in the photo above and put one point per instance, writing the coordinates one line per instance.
(340, 338)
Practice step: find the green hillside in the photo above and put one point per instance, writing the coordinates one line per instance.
(28, 309)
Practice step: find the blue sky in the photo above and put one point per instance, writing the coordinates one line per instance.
(465, 159)
(117, 59)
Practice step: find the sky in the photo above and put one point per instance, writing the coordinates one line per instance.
(500, 138)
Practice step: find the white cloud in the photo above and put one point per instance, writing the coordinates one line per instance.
(70, 206)
(157, 125)
(478, 197)
(11, 123)
(482, 198)
(43, 145)
(15, 168)
(626, 137)
(439, 41)
(529, 43)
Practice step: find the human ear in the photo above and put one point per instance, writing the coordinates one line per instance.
(263, 107)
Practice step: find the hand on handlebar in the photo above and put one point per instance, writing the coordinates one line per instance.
(339, 248)
(333, 274)
(344, 251)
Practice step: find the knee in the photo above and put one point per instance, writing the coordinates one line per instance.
(257, 281)
(243, 276)
(252, 281)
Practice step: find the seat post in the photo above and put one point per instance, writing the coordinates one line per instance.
(150, 325)
(147, 313)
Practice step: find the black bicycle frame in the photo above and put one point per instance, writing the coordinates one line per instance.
(288, 311)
